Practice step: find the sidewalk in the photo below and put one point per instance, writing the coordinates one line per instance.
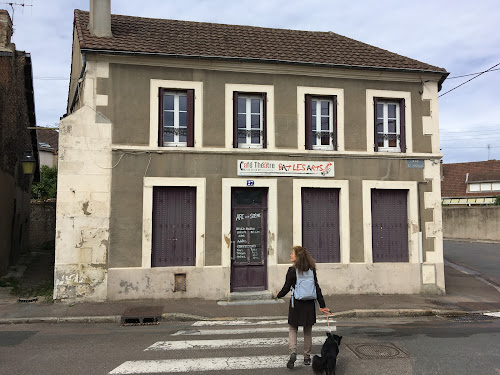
(466, 294)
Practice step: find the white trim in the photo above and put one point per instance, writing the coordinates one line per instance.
(301, 114)
(272, 217)
(370, 134)
(345, 231)
(155, 85)
(228, 102)
(411, 186)
(147, 214)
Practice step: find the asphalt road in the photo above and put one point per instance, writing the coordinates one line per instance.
(394, 346)
(481, 257)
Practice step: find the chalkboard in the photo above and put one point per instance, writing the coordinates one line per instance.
(248, 237)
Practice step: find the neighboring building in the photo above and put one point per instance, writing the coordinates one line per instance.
(17, 113)
(195, 155)
(48, 146)
(473, 183)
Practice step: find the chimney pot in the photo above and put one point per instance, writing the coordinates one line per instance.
(100, 18)
(5, 29)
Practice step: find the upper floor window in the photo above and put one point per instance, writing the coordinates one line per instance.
(321, 123)
(483, 186)
(249, 123)
(390, 125)
(176, 123)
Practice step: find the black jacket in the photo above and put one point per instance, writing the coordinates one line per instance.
(304, 312)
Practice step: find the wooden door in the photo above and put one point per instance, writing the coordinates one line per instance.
(249, 239)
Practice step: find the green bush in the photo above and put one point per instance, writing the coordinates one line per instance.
(47, 187)
(497, 200)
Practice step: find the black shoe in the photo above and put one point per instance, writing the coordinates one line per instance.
(291, 361)
(307, 361)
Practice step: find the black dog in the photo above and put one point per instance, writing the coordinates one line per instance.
(328, 360)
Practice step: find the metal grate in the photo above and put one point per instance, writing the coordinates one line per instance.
(180, 282)
(377, 351)
(142, 315)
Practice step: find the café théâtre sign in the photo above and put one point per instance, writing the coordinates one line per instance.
(285, 168)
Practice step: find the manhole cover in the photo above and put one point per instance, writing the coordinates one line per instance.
(377, 351)
(471, 318)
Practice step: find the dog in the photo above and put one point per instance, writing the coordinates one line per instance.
(328, 360)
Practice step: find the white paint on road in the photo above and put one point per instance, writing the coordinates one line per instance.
(209, 323)
(494, 314)
(228, 343)
(202, 364)
(209, 332)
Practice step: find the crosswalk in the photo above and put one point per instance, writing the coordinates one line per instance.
(231, 338)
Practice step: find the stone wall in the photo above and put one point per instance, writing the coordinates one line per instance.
(42, 224)
(472, 223)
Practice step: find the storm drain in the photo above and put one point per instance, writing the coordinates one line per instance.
(28, 300)
(141, 316)
(470, 318)
(377, 351)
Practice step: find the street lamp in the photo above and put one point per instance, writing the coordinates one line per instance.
(28, 162)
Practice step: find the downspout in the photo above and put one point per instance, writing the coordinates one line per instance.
(78, 83)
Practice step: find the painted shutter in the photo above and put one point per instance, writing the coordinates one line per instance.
(308, 130)
(375, 134)
(174, 227)
(389, 225)
(235, 119)
(402, 122)
(264, 120)
(320, 224)
(160, 116)
(334, 130)
(190, 118)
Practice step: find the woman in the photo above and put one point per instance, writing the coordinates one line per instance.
(303, 313)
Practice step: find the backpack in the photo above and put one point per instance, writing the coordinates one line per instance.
(305, 287)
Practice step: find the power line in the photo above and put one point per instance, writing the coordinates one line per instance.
(456, 87)
(471, 74)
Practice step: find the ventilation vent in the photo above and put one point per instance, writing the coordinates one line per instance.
(180, 282)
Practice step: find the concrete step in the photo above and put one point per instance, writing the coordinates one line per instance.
(247, 296)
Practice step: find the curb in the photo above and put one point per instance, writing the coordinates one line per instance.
(182, 317)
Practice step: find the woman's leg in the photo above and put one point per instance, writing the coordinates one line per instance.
(292, 339)
(307, 341)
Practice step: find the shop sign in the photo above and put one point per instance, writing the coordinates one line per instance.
(285, 168)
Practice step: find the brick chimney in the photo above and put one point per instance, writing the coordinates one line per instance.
(5, 30)
(100, 18)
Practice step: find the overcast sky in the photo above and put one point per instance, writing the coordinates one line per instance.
(461, 36)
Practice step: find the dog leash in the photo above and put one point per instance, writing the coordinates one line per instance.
(332, 328)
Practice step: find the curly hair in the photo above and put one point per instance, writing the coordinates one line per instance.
(303, 259)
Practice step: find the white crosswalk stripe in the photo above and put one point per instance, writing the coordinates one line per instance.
(213, 329)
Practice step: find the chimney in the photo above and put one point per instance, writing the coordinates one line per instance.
(5, 29)
(100, 18)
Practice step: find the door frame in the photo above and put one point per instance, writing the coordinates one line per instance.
(412, 202)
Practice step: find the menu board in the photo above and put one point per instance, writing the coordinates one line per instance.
(248, 237)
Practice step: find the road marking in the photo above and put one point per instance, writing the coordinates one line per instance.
(202, 364)
(243, 331)
(494, 314)
(229, 343)
(209, 323)
(473, 273)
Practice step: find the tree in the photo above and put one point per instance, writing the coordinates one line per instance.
(47, 187)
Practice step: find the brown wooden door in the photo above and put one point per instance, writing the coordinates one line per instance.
(174, 226)
(320, 224)
(389, 225)
(249, 239)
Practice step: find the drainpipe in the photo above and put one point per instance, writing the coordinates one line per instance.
(420, 238)
(78, 83)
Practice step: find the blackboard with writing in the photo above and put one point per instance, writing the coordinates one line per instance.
(248, 237)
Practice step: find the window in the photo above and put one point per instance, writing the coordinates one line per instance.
(390, 125)
(321, 123)
(249, 123)
(484, 186)
(176, 118)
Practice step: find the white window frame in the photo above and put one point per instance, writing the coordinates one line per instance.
(385, 118)
(154, 89)
(229, 127)
(317, 133)
(248, 112)
(370, 126)
(177, 111)
(302, 91)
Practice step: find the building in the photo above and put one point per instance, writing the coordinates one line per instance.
(48, 146)
(195, 155)
(473, 183)
(17, 114)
